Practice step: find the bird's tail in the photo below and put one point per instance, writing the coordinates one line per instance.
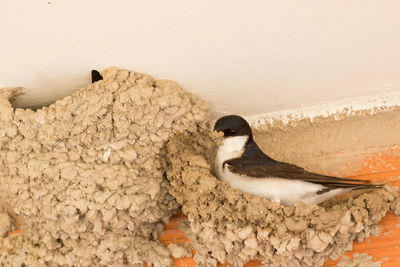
(360, 184)
(367, 186)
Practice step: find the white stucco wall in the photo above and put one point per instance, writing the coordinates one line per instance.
(243, 57)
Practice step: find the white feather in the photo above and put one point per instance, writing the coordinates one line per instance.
(232, 147)
(276, 189)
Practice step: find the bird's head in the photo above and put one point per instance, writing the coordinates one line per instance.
(233, 125)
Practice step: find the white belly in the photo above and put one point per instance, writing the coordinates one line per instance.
(279, 190)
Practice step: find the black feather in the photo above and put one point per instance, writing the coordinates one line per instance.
(96, 76)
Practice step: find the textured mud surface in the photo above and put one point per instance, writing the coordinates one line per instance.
(86, 173)
(228, 225)
(360, 260)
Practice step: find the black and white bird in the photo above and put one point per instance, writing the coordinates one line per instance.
(242, 164)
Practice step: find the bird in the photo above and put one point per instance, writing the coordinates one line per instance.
(243, 165)
(96, 76)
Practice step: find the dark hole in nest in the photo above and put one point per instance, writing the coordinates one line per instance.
(96, 76)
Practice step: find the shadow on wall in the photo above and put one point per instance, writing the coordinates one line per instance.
(36, 99)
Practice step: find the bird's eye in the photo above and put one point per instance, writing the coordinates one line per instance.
(233, 131)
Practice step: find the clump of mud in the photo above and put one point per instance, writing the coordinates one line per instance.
(360, 260)
(228, 225)
(86, 173)
(180, 250)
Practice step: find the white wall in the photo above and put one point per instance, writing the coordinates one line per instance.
(245, 57)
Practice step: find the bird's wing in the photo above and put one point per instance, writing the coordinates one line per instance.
(277, 169)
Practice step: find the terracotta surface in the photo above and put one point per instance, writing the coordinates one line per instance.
(379, 167)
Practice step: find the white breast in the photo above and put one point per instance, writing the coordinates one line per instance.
(231, 148)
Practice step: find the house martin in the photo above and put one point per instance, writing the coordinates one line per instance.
(242, 164)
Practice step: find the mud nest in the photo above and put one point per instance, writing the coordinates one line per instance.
(86, 172)
(229, 225)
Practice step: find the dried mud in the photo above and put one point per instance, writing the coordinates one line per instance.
(360, 260)
(86, 172)
(228, 225)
